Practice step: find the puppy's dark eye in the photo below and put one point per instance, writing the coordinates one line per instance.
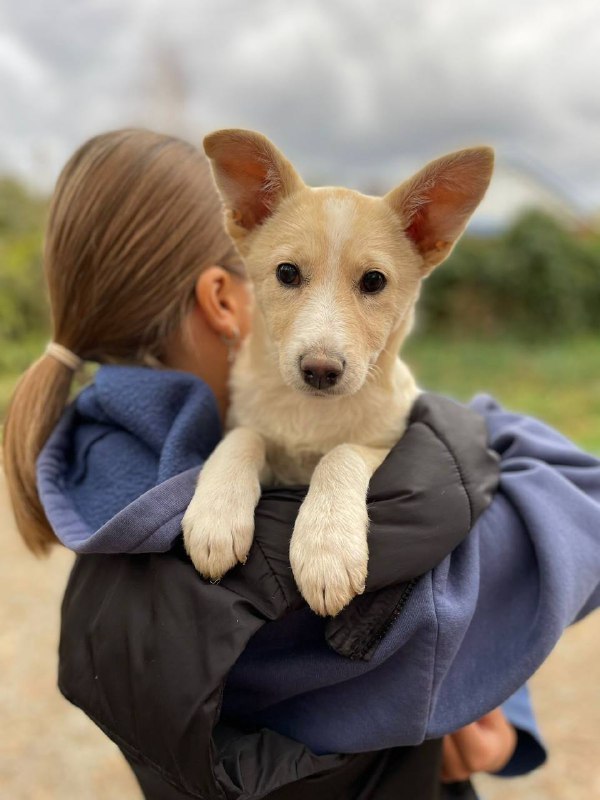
(288, 274)
(372, 282)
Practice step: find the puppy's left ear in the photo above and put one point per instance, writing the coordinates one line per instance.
(436, 203)
(252, 175)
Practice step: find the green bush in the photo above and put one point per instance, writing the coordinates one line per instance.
(23, 305)
(535, 280)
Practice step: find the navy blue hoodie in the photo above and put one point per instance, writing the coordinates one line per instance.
(122, 464)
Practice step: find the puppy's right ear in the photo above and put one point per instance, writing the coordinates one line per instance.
(251, 174)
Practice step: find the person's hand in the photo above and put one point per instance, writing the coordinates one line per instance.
(484, 746)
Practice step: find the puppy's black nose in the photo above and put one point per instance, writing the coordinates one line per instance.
(322, 373)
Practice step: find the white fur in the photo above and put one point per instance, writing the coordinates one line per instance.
(222, 522)
(299, 428)
(340, 212)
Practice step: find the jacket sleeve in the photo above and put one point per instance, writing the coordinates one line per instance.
(530, 568)
(474, 629)
(530, 752)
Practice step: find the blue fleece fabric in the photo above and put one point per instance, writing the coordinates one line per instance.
(119, 471)
(133, 430)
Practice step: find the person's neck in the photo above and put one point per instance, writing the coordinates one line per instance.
(203, 363)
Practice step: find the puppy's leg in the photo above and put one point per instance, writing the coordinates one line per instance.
(218, 525)
(328, 551)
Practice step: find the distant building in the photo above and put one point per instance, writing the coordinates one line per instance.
(518, 185)
(516, 188)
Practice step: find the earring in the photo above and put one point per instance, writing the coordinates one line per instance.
(232, 344)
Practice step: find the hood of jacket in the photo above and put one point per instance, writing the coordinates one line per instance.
(130, 431)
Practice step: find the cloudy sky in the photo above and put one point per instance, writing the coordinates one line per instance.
(354, 91)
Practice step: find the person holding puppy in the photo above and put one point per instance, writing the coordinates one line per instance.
(237, 689)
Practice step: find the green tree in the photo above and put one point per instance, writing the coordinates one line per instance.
(23, 306)
(536, 279)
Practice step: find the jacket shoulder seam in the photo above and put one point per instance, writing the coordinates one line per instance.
(435, 653)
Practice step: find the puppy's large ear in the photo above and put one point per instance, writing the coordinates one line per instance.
(251, 174)
(436, 203)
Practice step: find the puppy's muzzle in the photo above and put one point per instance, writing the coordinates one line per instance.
(321, 373)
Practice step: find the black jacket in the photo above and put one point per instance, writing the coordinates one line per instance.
(146, 644)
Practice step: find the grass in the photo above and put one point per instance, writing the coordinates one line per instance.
(558, 381)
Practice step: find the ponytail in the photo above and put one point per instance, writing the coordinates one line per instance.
(35, 407)
(134, 219)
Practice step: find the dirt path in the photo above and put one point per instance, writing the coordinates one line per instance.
(50, 751)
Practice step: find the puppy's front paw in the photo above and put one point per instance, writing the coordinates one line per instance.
(329, 555)
(218, 528)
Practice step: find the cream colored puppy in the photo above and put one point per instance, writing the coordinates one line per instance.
(318, 392)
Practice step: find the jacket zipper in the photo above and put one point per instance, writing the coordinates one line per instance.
(397, 610)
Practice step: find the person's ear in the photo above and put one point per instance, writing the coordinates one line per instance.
(222, 299)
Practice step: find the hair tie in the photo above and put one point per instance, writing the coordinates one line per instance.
(64, 355)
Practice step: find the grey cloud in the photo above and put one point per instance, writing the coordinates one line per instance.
(352, 91)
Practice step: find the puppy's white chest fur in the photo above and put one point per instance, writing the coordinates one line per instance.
(299, 429)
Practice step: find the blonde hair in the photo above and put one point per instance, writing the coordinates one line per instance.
(134, 219)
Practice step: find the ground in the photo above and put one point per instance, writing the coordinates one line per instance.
(50, 750)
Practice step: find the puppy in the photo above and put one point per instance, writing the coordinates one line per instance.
(318, 393)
